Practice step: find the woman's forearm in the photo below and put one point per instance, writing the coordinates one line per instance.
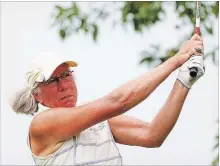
(135, 91)
(165, 120)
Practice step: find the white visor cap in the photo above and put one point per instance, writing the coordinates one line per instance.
(44, 65)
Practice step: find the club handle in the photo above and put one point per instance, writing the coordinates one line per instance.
(194, 70)
(197, 30)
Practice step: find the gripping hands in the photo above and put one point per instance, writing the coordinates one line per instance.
(190, 56)
(184, 71)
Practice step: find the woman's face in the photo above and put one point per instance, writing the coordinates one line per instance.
(58, 91)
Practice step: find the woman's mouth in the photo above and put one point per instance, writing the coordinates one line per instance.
(65, 97)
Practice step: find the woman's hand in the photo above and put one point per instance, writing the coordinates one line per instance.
(189, 48)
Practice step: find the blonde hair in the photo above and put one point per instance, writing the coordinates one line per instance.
(24, 102)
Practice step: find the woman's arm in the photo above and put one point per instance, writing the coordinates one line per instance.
(130, 131)
(59, 124)
(135, 91)
(63, 123)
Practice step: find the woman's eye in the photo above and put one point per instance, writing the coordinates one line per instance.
(52, 81)
(66, 75)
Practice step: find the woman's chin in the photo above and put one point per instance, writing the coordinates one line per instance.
(69, 104)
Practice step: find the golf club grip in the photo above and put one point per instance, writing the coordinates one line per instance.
(194, 70)
(197, 30)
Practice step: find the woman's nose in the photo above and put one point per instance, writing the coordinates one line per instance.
(61, 85)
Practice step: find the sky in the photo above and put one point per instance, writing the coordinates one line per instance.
(26, 31)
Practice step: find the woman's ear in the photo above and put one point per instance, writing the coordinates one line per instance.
(37, 97)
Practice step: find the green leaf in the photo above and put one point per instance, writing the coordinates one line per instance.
(62, 33)
(86, 30)
(59, 8)
(145, 13)
(70, 16)
(137, 25)
(209, 29)
(149, 59)
(125, 11)
(172, 52)
(75, 9)
(189, 12)
(94, 31)
(60, 11)
(216, 146)
(83, 24)
(215, 162)
(215, 9)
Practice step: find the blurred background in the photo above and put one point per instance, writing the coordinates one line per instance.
(114, 42)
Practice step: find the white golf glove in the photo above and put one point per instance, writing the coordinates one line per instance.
(184, 71)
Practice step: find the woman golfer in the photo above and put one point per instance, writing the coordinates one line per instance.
(63, 133)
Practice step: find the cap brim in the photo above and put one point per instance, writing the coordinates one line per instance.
(51, 70)
(71, 63)
(44, 65)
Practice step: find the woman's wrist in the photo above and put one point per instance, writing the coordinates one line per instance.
(175, 62)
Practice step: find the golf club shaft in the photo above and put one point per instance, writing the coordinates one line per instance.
(194, 70)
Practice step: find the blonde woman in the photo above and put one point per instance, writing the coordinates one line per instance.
(63, 133)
